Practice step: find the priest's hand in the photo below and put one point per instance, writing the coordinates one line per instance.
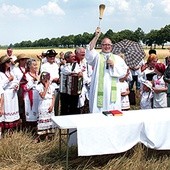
(110, 62)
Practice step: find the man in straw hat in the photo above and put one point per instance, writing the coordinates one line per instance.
(20, 71)
(108, 68)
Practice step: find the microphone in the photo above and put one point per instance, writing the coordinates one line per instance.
(107, 58)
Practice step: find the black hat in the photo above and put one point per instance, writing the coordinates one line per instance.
(51, 53)
(152, 51)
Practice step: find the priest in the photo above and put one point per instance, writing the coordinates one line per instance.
(107, 69)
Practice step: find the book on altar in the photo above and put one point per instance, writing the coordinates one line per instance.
(116, 112)
(113, 112)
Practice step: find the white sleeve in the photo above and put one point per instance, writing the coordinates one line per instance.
(91, 55)
(119, 69)
(1, 90)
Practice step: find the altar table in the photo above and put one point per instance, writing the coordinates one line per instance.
(98, 134)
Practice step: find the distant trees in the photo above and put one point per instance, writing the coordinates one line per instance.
(152, 39)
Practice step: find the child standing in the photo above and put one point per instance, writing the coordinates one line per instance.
(124, 89)
(146, 95)
(159, 87)
(46, 106)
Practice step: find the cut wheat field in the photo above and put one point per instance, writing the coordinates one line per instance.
(161, 53)
(19, 152)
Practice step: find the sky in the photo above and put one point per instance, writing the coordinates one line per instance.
(23, 20)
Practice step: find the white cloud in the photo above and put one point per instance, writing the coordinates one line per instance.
(147, 9)
(110, 10)
(166, 4)
(121, 5)
(51, 8)
(12, 10)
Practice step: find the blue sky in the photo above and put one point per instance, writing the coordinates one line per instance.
(22, 20)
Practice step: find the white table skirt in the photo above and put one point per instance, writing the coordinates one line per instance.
(98, 134)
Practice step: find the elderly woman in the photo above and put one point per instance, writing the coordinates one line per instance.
(10, 85)
(31, 95)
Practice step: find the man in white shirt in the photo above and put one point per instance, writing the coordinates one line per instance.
(69, 101)
(87, 73)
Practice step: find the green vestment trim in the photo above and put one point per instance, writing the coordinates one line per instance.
(101, 82)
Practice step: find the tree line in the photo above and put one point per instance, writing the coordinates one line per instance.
(152, 39)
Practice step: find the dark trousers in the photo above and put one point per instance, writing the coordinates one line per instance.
(69, 104)
(136, 81)
(56, 104)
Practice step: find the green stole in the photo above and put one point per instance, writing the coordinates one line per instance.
(101, 81)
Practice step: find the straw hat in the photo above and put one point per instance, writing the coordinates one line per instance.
(4, 59)
(21, 56)
(148, 84)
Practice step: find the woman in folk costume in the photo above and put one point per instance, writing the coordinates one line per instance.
(19, 71)
(31, 95)
(1, 109)
(46, 106)
(10, 86)
(107, 69)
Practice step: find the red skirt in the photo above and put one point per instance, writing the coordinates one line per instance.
(11, 125)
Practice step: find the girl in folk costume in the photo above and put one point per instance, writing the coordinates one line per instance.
(10, 87)
(146, 95)
(46, 106)
(31, 96)
(159, 87)
(20, 71)
(1, 109)
(124, 89)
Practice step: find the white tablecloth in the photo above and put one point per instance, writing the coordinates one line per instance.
(98, 134)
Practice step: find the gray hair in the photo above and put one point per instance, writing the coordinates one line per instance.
(29, 62)
(78, 49)
(67, 54)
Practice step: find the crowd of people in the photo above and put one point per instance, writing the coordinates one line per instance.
(32, 90)
(83, 81)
